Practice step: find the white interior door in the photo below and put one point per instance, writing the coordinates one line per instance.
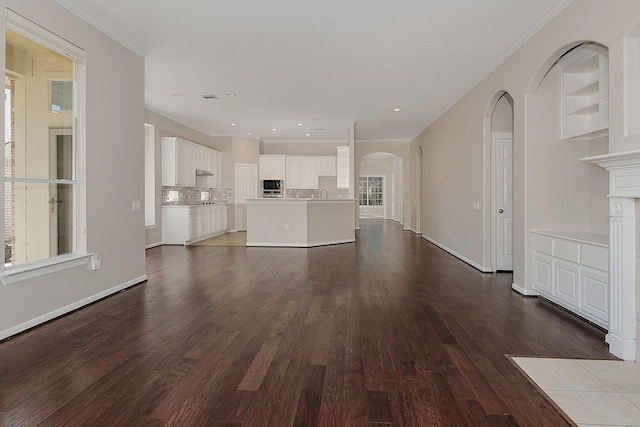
(246, 187)
(503, 179)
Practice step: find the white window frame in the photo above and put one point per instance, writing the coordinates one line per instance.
(79, 256)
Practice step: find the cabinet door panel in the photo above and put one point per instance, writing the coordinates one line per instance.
(566, 282)
(595, 293)
(543, 273)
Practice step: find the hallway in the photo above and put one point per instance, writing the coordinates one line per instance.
(389, 330)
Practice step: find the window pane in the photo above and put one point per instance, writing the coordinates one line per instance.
(37, 149)
(61, 96)
(40, 223)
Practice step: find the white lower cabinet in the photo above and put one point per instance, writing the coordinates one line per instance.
(182, 225)
(571, 269)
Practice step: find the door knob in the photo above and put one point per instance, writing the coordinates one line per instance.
(500, 211)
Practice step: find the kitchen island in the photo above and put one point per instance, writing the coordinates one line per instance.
(299, 222)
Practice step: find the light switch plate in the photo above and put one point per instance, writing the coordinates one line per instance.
(136, 206)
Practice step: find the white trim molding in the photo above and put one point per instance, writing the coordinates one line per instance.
(525, 292)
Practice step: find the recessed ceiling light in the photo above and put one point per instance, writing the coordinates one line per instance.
(231, 94)
(274, 129)
(316, 118)
(234, 124)
(249, 133)
(209, 96)
(397, 109)
(299, 124)
(319, 129)
(307, 134)
(177, 95)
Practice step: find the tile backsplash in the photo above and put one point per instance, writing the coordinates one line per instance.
(194, 195)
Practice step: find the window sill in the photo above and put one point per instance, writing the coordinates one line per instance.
(40, 268)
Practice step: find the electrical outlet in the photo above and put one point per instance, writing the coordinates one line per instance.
(476, 206)
(449, 232)
(95, 263)
(136, 206)
(286, 227)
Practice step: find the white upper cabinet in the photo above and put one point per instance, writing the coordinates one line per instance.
(585, 93)
(181, 158)
(272, 166)
(301, 173)
(326, 165)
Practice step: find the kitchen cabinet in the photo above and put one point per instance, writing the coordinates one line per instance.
(585, 93)
(342, 167)
(272, 166)
(241, 216)
(181, 158)
(326, 165)
(571, 270)
(301, 173)
(183, 225)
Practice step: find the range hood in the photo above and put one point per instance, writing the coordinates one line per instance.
(202, 172)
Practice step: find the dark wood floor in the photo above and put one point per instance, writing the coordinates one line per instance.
(390, 330)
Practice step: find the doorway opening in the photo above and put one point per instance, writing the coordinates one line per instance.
(502, 184)
(380, 186)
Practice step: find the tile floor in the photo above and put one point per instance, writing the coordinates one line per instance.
(590, 392)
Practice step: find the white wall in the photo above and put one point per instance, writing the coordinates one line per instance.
(115, 176)
(457, 170)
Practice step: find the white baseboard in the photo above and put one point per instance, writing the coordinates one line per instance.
(457, 255)
(153, 245)
(623, 348)
(69, 308)
(413, 231)
(525, 292)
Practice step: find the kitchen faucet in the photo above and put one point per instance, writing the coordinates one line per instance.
(325, 193)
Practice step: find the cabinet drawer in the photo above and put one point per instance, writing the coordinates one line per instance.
(543, 244)
(595, 257)
(566, 250)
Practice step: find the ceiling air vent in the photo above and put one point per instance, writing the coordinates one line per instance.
(319, 129)
(209, 96)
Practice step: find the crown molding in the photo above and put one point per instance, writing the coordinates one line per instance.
(94, 21)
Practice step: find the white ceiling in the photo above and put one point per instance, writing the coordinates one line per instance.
(321, 64)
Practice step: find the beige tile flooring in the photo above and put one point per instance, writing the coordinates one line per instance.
(227, 239)
(589, 392)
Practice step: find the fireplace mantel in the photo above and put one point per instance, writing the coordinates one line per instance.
(624, 187)
(624, 172)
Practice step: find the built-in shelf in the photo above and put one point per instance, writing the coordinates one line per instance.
(585, 93)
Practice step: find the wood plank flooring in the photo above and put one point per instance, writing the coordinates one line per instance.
(389, 330)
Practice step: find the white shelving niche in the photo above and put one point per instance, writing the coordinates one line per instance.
(585, 92)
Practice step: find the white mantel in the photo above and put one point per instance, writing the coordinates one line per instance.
(624, 187)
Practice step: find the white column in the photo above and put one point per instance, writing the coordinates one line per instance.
(622, 280)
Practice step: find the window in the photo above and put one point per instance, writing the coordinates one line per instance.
(61, 96)
(371, 190)
(42, 204)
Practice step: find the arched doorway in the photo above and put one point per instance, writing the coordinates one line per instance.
(380, 186)
(502, 205)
